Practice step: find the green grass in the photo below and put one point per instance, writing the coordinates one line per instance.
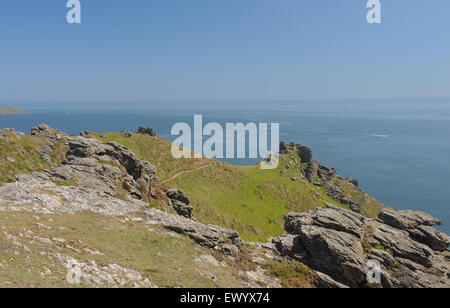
(244, 198)
(388, 250)
(22, 150)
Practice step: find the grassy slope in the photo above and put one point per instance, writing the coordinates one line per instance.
(247, 199)
(167, 260)
(22, 149)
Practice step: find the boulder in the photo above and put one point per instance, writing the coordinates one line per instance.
(126, 134)
(146, 131)
(180, 203)
(209, 236)
(431, 237)
(324, 281)
(284, 147)
(353, 181)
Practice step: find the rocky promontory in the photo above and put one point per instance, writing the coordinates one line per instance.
(88, 178)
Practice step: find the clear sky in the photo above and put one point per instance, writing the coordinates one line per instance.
(219, 50)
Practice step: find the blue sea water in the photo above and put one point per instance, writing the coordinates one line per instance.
(398, 150)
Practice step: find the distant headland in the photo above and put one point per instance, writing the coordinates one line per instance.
(12, 110)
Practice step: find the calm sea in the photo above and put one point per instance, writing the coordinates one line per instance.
(399, 151)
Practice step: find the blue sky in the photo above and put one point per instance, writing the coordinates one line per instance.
(222, 50)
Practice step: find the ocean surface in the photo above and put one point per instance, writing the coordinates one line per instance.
(398, 150)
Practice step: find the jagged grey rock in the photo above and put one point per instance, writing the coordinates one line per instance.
(324, 281)
(209, 236)
(50, 138)
(146, 131)
(431, 237)
(180, 202)
(407, 219)
(330, 240)
(107, 166)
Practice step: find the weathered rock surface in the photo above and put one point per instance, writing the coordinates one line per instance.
(209, 236)
(180, 202)
(407, 219)
(107, 166)
(418, 225)
(48, 144)
(337, 243)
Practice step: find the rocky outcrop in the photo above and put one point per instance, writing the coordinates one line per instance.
(210, 236)
(126, 133)
(284, 147)
(8, 133)
(146, 131)
(180, 203)
(336, 193)
(312, 168)
(353, 181)
(49, 140)
(339, 244)
(419, 227)
(107, 166)
(89, 134)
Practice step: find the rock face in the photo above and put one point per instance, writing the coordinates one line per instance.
(419, 227)
(107, 166)
(337, 194)
(312, 167)
(339, 244)
(180, 202)
(52, 137)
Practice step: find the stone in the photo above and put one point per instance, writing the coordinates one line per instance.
(126, 134)
(89, 134)
(431, 237)
(324, 281)
(329, 241)
(284, 147)
(382, 256)
(146, 131)
(10, 159)
(209, 236)
(180, 202)
(353, 181)
(402, 245)
(407, 219)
